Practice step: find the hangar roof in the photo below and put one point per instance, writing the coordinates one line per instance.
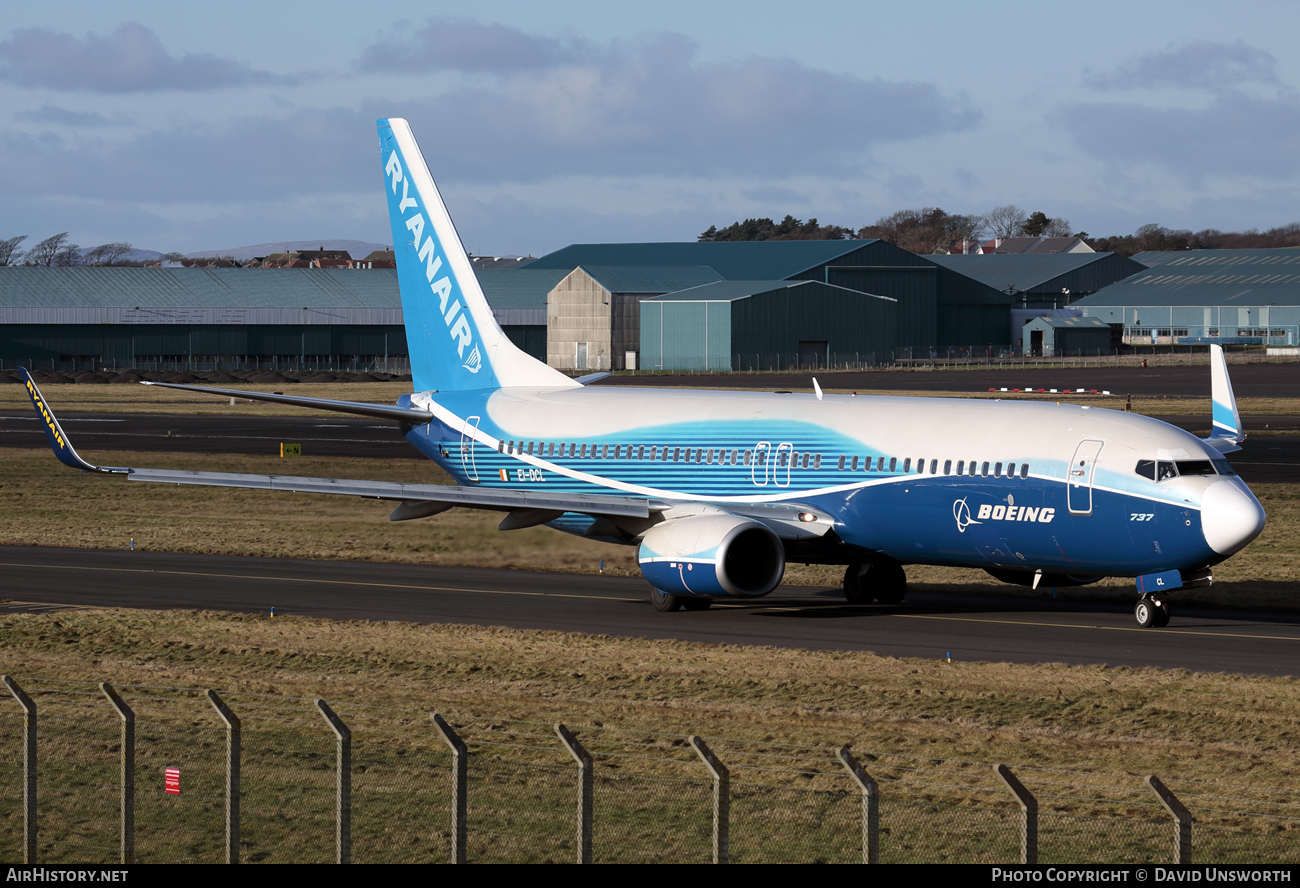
(650, 278)
(518, 287)
(92, 287)
(1208, 277)
(1031, 272)
(730, 291)
(733, 260)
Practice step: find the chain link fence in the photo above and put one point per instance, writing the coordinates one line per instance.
(165, 778)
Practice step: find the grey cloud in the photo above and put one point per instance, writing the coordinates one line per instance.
(66, 117)
(467, 45)
(1235, 136)
(131, 59)
(1199, 65)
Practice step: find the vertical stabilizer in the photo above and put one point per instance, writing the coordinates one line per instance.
(1226, 418)
(454, 341)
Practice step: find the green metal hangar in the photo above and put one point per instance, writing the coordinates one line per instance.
(200, 318)
(1042, 284)
(743, 325)
(1193, 297)
(932, 306)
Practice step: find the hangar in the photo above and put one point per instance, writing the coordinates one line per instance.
(759, 325)
(1193, 297)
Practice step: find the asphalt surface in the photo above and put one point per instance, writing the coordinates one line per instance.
(928, 625)
(1248, 380)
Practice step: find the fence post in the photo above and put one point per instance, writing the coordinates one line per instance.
(459, 785)
(233, 755)
(343, 784)
(128, 771)
(1029, 812)
(1182, 819)
(29, 769)
(583, 758)
(870, 806)
(721, 800)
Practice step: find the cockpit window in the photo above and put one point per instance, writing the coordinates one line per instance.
(1224, 467)
(1147, 469)
(1195, 467)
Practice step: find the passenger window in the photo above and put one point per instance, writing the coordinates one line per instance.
(1024, 470)
(854, 467)
(618, 451)
(984, 470)
(817, 461)
(1011, 470)
(677, 453)
(604, 452)
(1146, 468)
(749, 456)
(734, 454)
(974, 469)
(907, 465)
(640, 452)
(709, 456)
(1165, 471)
(663, 457)
(934, 467)
(804, 464)
(843, 460)
(893, 463)
(584, 451)
(961, 466)
(510, 448)
(699, 455)
(997, 470)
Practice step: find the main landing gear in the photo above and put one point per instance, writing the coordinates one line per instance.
(666, 603)
(882, 581)
(1151, 612)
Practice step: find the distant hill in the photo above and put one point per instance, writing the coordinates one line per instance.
(356, 249)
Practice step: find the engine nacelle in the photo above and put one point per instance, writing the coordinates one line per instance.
(712, 555)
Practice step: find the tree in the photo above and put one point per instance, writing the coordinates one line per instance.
(764, 229)
(1036, 224)
(173, 257)
(1057, 226)
(107, 254)
(9, 252)
(925, 230)
(48, 250)
(1005, 222)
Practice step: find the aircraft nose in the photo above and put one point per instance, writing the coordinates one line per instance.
(1230, 517)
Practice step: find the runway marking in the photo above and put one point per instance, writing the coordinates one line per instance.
(42, 605)
(186, 573)
(1106, 628)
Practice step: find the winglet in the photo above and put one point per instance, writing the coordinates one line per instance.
(54, 433)
(1226, 418)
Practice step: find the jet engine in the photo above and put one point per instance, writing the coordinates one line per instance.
(712, 555)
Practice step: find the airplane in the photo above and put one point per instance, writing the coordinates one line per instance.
(719, 490)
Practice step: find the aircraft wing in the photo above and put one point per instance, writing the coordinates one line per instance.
(359, 408)
(418, 500)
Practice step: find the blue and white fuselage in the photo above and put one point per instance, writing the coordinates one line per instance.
(973, 483)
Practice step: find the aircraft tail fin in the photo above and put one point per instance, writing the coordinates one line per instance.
(1227, 431)
(454, 340)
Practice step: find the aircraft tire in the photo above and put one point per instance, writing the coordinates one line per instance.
(694, 604)
(1146, 613)
(663, 602)
(1162, 616)
(891, 583)
(855, 589)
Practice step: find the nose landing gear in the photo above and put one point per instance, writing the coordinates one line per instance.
(1151, 612)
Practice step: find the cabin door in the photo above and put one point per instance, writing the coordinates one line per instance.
(1078, 481)
(467, 447)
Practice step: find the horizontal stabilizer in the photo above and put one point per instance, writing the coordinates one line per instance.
(359, 408)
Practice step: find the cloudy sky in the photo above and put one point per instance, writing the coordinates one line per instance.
(177, 127)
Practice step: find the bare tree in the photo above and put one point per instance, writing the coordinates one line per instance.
(1057, 226)
(50, 251)
(107, 254)
(9, 252)
(173, 257)
(1005, 221)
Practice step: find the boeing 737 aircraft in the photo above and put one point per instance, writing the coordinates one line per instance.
(719, 489)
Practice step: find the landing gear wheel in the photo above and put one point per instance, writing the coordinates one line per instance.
(1147, 613)
(694, 604)
(663, 602)
(882, 581)
(1162, 615)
